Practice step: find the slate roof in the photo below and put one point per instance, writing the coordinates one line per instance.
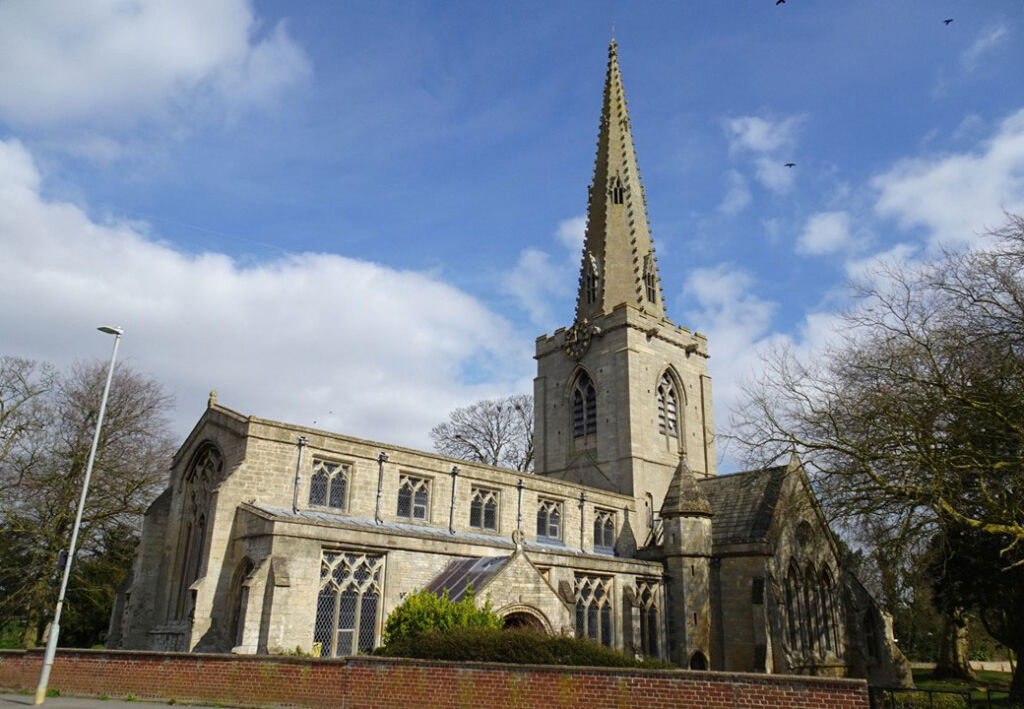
(460, 574)
(742, 504)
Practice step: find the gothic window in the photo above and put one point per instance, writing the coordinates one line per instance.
(828, 612)
(584, 406)
(792, 609)
(647, 594)
(549, 520)
(668, 407)
(604, 530)
(594, 608)
(329, 485)
(617, 191)
(649, 509)
(348, 605)
(589, 279)
(650, 282)
(199, 480)
(483, 509)
(240, 596)
(413, 497)
(810, 611)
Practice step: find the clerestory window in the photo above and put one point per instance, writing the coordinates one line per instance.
(584, 406)
(413, 497)
(328, 487)
(668, 408)
(604, 530)
(594, 608)
(348, 606)
(549, 520)
(483, 509)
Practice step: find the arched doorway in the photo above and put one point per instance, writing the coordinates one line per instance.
(521, 620)
(698, 661)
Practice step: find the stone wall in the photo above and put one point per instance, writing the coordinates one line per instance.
(380, 683)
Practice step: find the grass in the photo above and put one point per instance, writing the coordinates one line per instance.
(998, 682)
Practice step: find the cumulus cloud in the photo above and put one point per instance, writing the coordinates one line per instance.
(824, 233)
(737, 198)
(954, 197)
(114, 62)
(984, 43)
(541, 282)
(768, 144)
(350, 345)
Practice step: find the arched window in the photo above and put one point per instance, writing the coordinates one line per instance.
(617, 191)
(348, 606)
(240, 599)
(650, 281)
(589, 279)
(647, 594)
(668, 407)
(584, 406)
(698, 661)
(811, 610)
(793, 609)
(825, 611)
(200, 478)
(329, 485)
(594, 608)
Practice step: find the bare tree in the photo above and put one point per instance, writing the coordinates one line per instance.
(44, 473)
(493, 431)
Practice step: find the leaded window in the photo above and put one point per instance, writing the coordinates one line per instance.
(348, 606)
(549, 519)
(668, 410)
(604, 530)
(647, 595)
(584, 406)
(413, 497)
(483, 509)
(594, 608)
(329, 485)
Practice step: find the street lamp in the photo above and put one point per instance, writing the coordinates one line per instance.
(51, 641)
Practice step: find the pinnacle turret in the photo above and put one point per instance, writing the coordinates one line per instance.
(618, 265)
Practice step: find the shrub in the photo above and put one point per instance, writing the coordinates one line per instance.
(424, 611)
(520, 646)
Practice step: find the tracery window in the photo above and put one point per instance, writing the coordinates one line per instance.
(584, 406)
(594, 608)
(792, 609)
(549, 519)
(199, 482)
(604, 530)
(348, 605)
(413, 497)
(650, 282)
(668, 409)
(329, 485)
(647, 594)
(810, 611)
(483, 509)
(830, 627)
(617, 191)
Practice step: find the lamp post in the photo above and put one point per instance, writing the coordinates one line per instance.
(51, 640)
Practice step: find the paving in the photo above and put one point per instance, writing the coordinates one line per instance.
(13, 701)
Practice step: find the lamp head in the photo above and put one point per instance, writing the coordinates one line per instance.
(110, 330)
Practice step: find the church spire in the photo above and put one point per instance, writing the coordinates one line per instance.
(618, 264)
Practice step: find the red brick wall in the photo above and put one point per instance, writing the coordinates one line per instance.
(378, 683)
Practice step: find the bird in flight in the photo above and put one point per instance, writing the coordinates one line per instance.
(790, 164)
(780, 2)
(947, 21)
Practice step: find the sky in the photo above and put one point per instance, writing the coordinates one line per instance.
(359, 215)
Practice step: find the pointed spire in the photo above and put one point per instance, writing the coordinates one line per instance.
(619, 265)
(684, 498)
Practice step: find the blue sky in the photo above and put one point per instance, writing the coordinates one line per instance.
(358, 215)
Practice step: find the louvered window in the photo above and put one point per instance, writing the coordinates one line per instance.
(668, 414)
(584, 407)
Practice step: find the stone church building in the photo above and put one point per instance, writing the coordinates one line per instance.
(272, 537)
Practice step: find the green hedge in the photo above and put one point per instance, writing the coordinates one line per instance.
(520, 646)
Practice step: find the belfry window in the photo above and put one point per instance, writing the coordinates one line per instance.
(483, 509)
(549, 520)
(329, 485)
(413, 497)
(348, 606)
(650, 283)
(604, 530)
(594, 608)
(668, 410)
(647, 595)
(584, 406)
(589, 279)
(617, 191)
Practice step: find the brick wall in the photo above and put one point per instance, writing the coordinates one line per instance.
(378, 683)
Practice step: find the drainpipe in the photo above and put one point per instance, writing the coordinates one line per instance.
(382, 458)
(451, 512)
(583, 501)
(301, 441)
(519, 513)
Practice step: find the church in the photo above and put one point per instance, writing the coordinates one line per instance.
(272, 537)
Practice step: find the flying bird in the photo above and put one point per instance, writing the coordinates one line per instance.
(790, 164)
(780, 2)
(947, 20)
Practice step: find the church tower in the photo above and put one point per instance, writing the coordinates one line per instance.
(623, 394)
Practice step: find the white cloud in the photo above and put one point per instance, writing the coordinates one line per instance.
(773, 174)
(541, 283)
(769, 144)
(824, 233)
(988, 40)
(571, 233)
(114, 62)
(955, 197)
(355, 346)
(737, 198)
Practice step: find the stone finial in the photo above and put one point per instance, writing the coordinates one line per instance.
(212, 401)
(684, 498)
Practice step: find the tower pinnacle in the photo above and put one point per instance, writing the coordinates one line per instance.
(619, 265)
